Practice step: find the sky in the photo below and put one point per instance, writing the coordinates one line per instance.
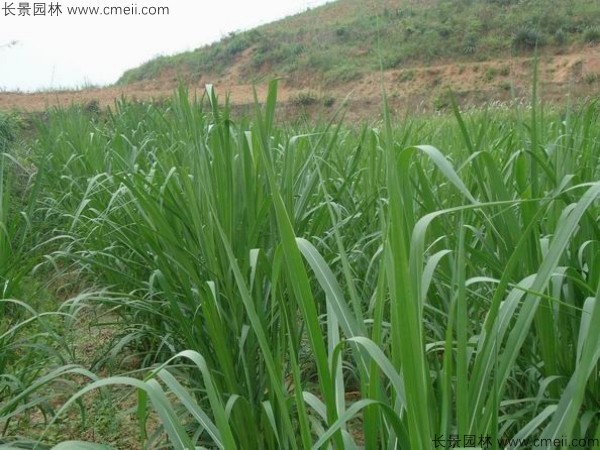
(72, 50)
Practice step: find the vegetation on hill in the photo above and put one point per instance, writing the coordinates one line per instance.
(343, 40)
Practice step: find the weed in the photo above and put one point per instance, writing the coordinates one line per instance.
(592, 77)
(406, 75)
(527, 39)
(505, 85)
(328, 101)
(560, 37)
(490, 74)
(305, 98)
(591, 35)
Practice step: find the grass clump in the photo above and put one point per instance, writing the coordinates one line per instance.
(560, 37)
(406, 75)
(592, 77)
(528, 39)
(591, 35)
(305, 98)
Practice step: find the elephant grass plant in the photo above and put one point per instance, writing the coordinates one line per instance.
(324, 286)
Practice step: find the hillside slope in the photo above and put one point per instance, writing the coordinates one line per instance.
(348, 39)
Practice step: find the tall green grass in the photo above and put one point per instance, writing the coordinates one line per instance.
(34, 353)
(331, 286)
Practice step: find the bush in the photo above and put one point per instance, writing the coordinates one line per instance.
(527, 39)
(392, 61)
(305, 98)
(490, 74)
(443, 100)
(341, 32)
(445, 32)
(469, 43)
(92, 107)
(560, 37)
(237, 43)
(592, 77)
(591, 35)
(328, 101)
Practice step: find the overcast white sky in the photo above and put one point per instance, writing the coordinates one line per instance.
(76, 50)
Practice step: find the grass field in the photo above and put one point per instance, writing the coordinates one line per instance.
(411, 282)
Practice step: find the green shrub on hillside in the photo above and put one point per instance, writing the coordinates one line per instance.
(238, 42)
(527, 39)
(305, 98)
(469, 43)
(560, 37)
(591, 35)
